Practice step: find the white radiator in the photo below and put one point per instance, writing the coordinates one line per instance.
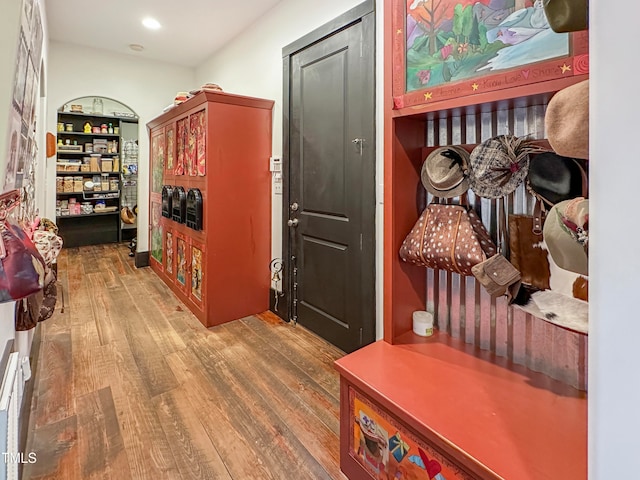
(10, 399)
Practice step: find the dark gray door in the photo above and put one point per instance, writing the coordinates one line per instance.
(332, 186)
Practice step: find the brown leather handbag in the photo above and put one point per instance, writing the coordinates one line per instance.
(527, 255)
(448, 237)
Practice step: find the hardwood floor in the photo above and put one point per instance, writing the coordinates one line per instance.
(129, 384)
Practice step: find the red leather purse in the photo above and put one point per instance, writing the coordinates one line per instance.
(22, 268)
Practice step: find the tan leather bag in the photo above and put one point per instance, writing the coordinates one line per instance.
(448, 237)
(498, 276)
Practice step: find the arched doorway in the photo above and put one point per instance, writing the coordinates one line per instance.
(97, 172)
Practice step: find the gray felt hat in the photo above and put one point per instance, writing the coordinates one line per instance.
(445, 172)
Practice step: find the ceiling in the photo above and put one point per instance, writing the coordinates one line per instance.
(190, 33)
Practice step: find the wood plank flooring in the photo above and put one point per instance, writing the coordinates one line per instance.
(130, 385)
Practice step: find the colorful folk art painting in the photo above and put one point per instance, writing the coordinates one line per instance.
(389, 452)
(196, 273)
(170, 146)
(156, 232)
(201, 138)
(454, 48)
(192, 169)
(181, 261)
(181, 127)
(169, 253)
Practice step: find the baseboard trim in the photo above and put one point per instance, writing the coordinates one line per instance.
(281, 311)
(142, 259)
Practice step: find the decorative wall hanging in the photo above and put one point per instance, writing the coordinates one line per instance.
(456, 50)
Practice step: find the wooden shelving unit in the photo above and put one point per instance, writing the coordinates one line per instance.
(97, 227)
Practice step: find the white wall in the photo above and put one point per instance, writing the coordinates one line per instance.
(252, 65)
(145, 86)
(614, 370)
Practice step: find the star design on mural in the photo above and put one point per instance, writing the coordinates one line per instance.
(475, 86)
(428, 95)
(399, 31)
(565, 68)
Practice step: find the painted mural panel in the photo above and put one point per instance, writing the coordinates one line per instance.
(201, 147)
(191, 157)
(388, 451)
(196, 273)
(157, 152)
(169, 252)
(156, 232)
(181, 127)
(446, 49)
(171, 145)
(181, 261)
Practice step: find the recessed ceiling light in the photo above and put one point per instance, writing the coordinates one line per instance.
(151, 23)
(136, 48)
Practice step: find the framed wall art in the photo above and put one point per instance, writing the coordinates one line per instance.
(453, 53)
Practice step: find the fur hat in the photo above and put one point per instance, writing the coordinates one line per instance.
(567, 121)
(566, 233)
(499, 165)
(445, 172)
(553, 178)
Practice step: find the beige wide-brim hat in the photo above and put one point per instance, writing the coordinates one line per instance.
(567, 121)
(445, 172)
(566, 231)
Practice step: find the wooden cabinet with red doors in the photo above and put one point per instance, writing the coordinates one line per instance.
(464, 403)
(214, 249)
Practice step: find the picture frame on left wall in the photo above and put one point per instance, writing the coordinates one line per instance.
(20, 77)
(15, 131)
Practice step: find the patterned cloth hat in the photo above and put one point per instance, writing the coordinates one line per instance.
(500, 164)
(566, 233)
(445, 172)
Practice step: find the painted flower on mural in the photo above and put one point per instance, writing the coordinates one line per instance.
(424, 76)
(446, 51)
(462, 48)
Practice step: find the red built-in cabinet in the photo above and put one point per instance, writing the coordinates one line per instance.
(220, 144)
(438, 408)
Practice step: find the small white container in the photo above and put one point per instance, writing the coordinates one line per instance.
(422, 323)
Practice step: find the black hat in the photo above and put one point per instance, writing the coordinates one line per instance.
(554, 178)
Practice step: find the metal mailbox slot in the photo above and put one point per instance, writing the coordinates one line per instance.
(179, 205)
(167, 192)
(194, 209)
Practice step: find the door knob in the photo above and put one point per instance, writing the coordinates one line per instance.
(293, 223)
